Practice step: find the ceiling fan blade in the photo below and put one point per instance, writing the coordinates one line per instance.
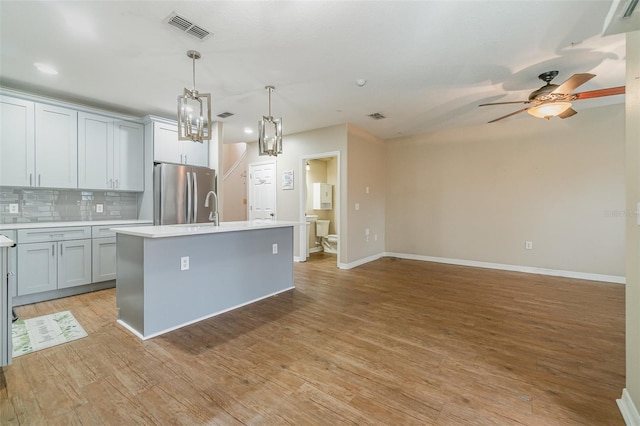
(505, 103)
(573, 82)
(509, 115)
(568, 113)
(620, 90)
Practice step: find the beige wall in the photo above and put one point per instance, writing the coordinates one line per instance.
(366, 168)
(632, 101)
(296, 147)
(234, 182)
(478, 193)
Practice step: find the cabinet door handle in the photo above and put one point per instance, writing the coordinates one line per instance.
(110, 184)
(117, 185)
(53, 249)
(39, 180)
(181, 159)
(185, 159)
(61, 249)
(30, 179)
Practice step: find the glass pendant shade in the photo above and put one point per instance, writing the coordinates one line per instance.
(549, 110)
(270, 132)
(194, 111)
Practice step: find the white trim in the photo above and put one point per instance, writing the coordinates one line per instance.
(527, 269)
(360, 261)
(235, 165)
(302, 239)
(628, 409)
(137, 333)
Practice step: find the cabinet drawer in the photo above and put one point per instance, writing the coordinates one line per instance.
(53, 234)
(103, 231)
(10, 234)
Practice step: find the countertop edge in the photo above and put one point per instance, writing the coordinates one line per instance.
(115, 222)
(168, 231)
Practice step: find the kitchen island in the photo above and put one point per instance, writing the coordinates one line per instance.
(174, 275)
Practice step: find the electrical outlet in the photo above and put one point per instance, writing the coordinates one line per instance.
(528, 245)
(14, 208)
(184, 263)
(99, 208)
(366, 190)
(357, 206)
(274, 249)
(366, 231)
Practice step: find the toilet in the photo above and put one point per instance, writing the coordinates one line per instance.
(329, 241)
(311, 221)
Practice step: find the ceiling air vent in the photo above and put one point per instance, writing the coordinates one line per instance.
(377, 116)
(225, 114)
(187, 26)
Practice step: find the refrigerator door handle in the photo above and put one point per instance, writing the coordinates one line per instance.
(189, 205)
(195, 198)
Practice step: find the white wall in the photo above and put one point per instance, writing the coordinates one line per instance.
(477, 193)
(633, 230)
(234, 182)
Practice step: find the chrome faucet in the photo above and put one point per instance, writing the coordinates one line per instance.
(213, 215)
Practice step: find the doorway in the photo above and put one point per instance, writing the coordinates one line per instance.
(262, 191)
(320, 173)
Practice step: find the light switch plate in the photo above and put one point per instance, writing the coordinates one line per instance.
(99, 208)
(184, 263)
(14, 208)
(274, 248)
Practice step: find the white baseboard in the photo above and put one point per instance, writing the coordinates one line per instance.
(359, 262)
(528, 269)
(628, 409)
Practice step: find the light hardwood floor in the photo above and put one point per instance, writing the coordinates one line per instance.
(392, 342)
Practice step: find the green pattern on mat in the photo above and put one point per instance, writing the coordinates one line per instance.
(43, 332)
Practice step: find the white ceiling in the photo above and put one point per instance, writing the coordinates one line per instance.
(428, 64)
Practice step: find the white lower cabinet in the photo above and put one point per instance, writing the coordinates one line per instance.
(49, 259)
(104, 259)
(53, 258)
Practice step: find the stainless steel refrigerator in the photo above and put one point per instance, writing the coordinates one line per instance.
(179, 193)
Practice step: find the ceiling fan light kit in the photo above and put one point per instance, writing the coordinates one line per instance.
(549, 110)
(552, 100)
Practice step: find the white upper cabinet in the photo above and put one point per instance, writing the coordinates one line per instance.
(128, 156)
(17, 142)
(56, 147)
(168, 149)
(95, 142)
(110, 153)
(38, 145)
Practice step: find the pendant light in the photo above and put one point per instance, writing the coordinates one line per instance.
(270, 132)
(194, 110)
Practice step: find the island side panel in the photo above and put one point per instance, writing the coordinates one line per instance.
(226, 270)
(130, 281)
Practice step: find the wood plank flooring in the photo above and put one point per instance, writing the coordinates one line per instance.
(392, 342)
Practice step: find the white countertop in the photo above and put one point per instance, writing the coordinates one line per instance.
(200, 228)
(12, 226)
(6, 242)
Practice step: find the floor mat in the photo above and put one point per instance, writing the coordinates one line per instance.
(43, 332)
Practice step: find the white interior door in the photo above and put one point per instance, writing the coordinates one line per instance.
(262, 193)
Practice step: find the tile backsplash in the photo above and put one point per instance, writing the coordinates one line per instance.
(64, 205)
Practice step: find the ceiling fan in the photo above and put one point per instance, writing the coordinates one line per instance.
(553, 100)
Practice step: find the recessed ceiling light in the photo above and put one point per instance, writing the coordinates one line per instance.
(248, 130)
(45, 68)
(361, 82)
